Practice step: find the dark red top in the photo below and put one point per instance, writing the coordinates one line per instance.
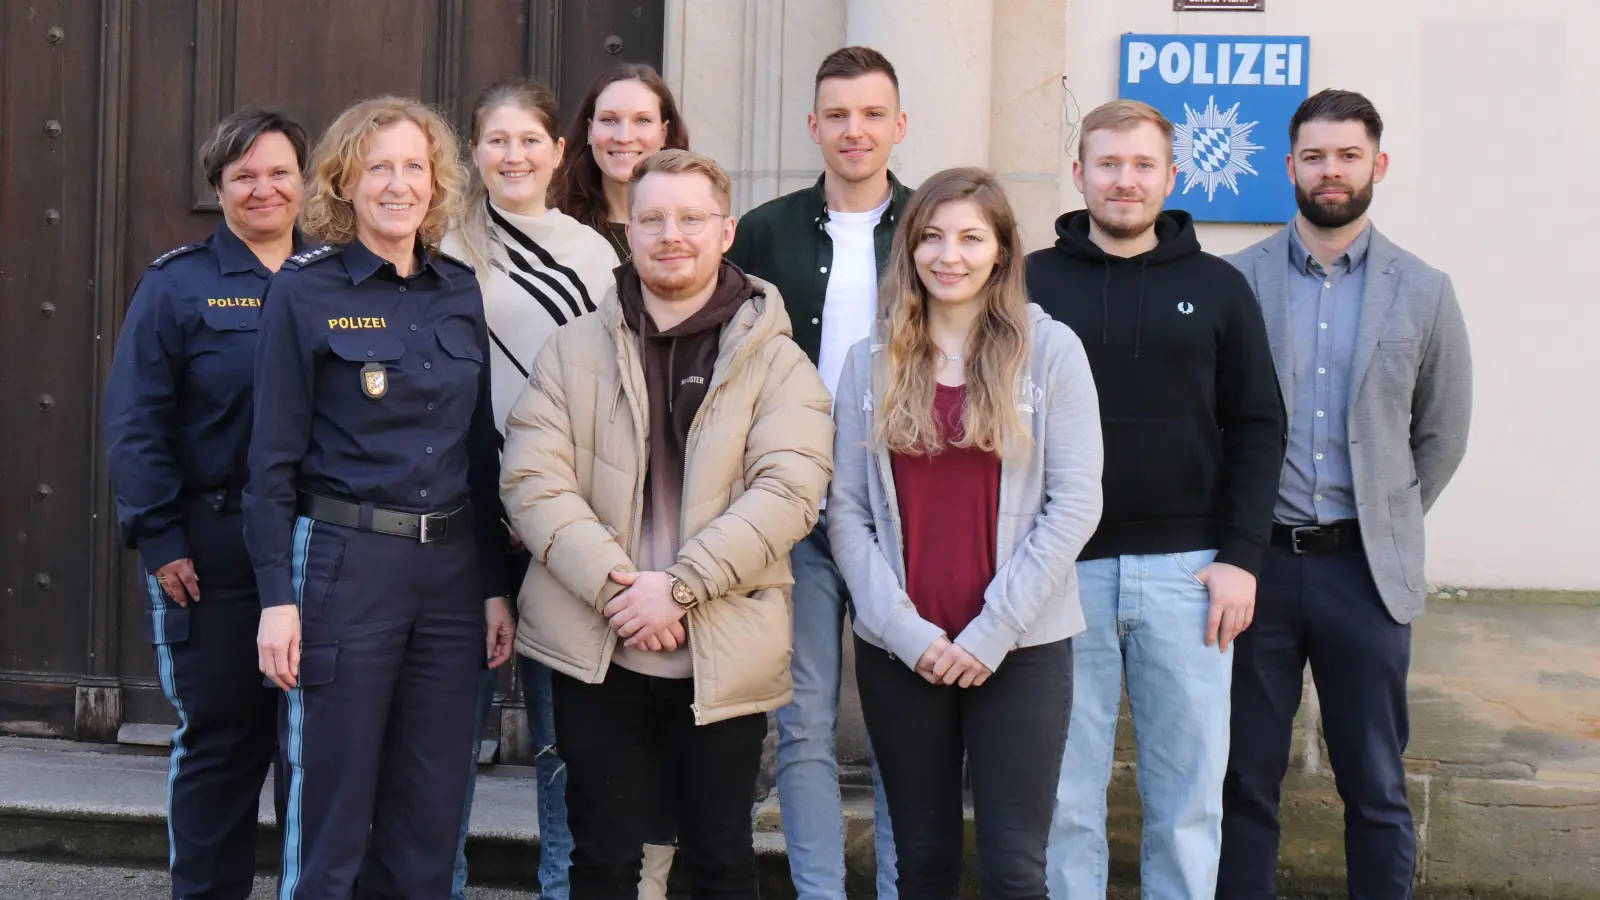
(949, 505)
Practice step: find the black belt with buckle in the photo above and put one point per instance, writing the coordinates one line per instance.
(425, 528)
(1325, 538)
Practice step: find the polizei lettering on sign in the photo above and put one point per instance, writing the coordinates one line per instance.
(1232, 63)
(1230, 98)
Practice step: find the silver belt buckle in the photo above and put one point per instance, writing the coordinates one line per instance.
(427, 535)
(1294, 535)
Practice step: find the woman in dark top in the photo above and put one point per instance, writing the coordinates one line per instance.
(966, 479)
(178, 407)
(373, 512)
(627, 115)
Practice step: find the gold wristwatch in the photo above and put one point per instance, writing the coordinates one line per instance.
(682, 594)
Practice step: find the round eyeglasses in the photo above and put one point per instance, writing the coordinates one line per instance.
(690, 221)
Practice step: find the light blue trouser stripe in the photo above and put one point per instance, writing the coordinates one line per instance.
(293, 837)
(169, 686)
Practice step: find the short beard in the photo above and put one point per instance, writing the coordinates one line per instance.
(1324, 216)
(1123, 232)
(677, 288)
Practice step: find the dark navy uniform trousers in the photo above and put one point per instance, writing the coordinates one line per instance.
(227, 732)
(1323, 608)
(378, 728)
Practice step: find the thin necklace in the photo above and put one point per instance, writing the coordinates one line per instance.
(948, 358)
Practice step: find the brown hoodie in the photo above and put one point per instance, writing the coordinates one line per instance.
(678, 366)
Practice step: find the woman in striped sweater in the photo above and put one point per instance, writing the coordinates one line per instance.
(539, 269)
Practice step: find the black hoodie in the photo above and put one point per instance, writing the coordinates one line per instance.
(1189, 403)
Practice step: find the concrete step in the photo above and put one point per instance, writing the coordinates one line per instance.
(105, 803)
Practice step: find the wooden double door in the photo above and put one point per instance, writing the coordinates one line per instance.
(103, 107)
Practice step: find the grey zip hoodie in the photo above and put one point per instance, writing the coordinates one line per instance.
(1049, 507)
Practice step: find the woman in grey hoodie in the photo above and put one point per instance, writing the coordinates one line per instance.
(967, 478)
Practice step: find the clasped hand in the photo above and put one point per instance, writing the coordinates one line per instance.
(645, 616)
(946, 662)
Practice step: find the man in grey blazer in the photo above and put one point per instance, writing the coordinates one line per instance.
(1375, 372)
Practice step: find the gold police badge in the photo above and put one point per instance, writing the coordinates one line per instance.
(374, 380)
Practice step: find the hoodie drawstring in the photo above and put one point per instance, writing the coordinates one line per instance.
(1138, 314)
(1105, 305)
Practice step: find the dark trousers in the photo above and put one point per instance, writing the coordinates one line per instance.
(381, 722)
(1325, 609)
(1011, 732)
(623, 740)
(227, 733)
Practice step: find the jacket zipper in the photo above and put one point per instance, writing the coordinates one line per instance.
(626, 373)
(695, 707)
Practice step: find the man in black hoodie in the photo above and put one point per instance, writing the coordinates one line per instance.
(1193, 429)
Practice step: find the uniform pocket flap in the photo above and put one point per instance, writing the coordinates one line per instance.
(361, 347)
(168, 625)
(318, 663)
(458, 341)
(231, 318)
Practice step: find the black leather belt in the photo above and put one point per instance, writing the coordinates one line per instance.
(1325, 538)
(426, 528)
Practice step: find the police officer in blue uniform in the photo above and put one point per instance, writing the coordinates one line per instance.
(373, 513)
(178, 414)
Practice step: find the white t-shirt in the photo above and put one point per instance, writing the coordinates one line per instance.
(851, 300)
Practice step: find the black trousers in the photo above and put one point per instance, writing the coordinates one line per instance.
(1325, 609)
(379, 727)
(227, 735)
(1011, 732)
(626, 739)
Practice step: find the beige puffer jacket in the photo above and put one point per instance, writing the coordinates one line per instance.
(759, 458)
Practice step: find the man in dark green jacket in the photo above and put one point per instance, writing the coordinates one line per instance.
(825, 247)
(786, 241)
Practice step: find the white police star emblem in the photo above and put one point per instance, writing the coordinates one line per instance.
(1212, 149)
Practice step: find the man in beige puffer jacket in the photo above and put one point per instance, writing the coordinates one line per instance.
(667, 453)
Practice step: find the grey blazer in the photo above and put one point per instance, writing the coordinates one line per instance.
(1411, 399)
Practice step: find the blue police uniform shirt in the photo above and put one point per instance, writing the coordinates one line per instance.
(178, 399)
(371, 388)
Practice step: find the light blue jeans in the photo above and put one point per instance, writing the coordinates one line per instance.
(555, 841)
(808, 771)
(1146, 615)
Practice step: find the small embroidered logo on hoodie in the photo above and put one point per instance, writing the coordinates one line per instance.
(1186, 307)
(692, 379)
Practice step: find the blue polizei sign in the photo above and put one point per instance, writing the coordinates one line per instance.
(1230, 99)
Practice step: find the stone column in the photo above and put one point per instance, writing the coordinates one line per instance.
(942, 51)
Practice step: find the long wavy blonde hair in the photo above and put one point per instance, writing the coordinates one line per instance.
(329, 215)
(996, 352)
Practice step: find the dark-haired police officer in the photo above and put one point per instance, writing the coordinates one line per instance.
(373, 513)
(178, 413)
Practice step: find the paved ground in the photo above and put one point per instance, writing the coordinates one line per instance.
(29, 880)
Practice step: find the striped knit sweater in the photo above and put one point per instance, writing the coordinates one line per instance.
(547, 271)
